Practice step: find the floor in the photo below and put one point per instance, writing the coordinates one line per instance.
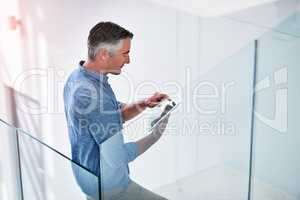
(220, 183)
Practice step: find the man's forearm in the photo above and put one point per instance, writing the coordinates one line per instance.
(129, 111)
(146, 142)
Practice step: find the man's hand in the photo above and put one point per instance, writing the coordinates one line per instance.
(131, 110)
(155, 99)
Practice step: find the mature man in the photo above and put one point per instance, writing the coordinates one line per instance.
(95, 118)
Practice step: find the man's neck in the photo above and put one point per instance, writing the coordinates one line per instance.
(93, 66)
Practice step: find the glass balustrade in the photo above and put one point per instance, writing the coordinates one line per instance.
(33, 170)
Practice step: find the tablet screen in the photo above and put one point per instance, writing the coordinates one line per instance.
(167, 111)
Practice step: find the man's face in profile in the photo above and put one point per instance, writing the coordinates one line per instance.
(120, 58)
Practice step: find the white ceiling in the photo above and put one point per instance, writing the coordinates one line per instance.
(211, 8)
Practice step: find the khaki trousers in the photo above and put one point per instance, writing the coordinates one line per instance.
(133, 192)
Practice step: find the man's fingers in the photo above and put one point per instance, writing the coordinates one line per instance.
(159, 96)
(155, 99)
(162, 96)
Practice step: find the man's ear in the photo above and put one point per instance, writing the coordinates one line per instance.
(103, 54)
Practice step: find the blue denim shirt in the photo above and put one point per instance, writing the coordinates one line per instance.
(95, 128)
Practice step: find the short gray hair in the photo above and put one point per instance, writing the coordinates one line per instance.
(106, 35)
(112, 48)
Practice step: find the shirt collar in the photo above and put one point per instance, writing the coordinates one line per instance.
(98, 76)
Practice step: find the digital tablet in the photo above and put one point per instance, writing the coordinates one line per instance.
(167, 111)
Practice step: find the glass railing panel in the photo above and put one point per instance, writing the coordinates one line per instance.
(205, 151)
(48, 174)
(276, 160)
(213, 137)
(10, 182)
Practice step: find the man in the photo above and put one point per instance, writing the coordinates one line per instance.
(95, 118)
